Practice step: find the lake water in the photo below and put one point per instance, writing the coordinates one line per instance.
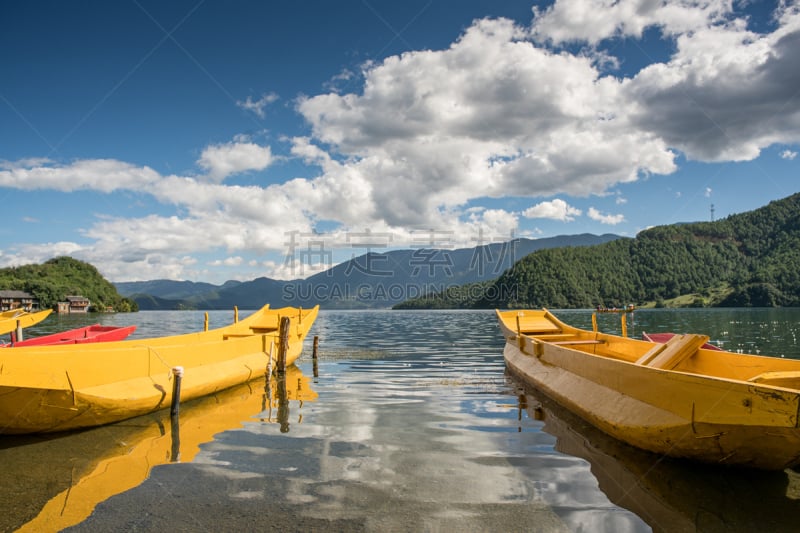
(407, 422)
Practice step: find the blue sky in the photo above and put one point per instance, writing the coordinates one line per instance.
(209, 140)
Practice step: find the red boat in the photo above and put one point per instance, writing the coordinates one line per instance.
(93, 333)
(664, 337)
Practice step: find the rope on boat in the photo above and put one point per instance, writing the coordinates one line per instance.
(150, 350)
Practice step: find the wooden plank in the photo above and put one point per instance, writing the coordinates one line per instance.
(578, 341)
(676, 350)
(536, 324)
(787, 378)
(650, 354)
(266, 323)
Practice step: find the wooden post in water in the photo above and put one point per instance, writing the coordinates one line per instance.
(624, 322)
(314, 356)
(177, 375)
(235, 314)
(205, 323)
(270, 358)
(267, 403)
(283, 344)
(175, 433)
(283, 403)
(19, 332)
(594, 322)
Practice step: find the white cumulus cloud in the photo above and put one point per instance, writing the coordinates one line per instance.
(555, 209)
(222, 160)
(105, 175)
(492, 113)
(257, 106)
(611, 220)
(595, 20)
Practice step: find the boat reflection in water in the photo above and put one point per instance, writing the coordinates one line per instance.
(88, 467)
(669, 494)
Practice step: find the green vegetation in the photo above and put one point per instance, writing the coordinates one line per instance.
(60, 277)
(750, 259)
(454, 297)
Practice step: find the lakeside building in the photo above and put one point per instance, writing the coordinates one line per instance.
(10, 299)
(73, 304)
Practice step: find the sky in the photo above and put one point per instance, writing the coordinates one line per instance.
(212, 141)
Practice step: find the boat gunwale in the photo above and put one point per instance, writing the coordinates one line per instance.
(169, 340)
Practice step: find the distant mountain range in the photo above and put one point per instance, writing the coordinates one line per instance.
(373, 280)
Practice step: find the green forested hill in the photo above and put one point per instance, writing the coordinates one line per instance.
(749, 259)
(60, 277)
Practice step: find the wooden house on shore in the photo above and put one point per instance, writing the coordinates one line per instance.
(73, 304)
(11, 299)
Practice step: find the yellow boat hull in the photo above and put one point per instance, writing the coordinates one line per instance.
(161, 439)
(11, 320)
(670, 495)
(705, 408)
(57, 388)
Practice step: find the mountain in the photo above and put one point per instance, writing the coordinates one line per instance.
(748, 259)
(373, 280)
(170, 289)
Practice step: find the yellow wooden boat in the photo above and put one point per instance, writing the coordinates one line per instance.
(676, 398)
(19, 318)
(57, 388)
(669, 494)
(133, 448)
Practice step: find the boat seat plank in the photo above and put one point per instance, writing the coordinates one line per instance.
(670, 354)
(536, 324)
(266, 323)
(650, 354)
(578, 341)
